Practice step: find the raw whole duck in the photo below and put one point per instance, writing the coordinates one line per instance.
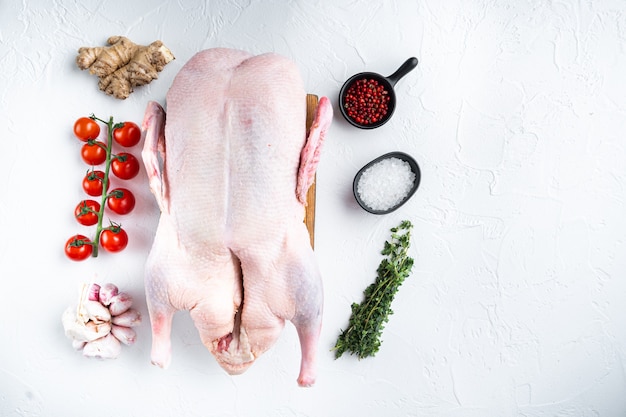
(230, 165)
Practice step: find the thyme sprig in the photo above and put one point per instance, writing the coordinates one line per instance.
(367, 321)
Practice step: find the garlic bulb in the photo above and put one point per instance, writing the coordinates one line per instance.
(102, 321)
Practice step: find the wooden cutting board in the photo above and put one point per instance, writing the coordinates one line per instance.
(309, 214)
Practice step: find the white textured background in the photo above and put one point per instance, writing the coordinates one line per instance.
(517, 116)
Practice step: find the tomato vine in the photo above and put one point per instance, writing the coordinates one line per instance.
(121, 200)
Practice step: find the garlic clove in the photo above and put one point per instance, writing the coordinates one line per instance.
(120, 303)
(107, 347)
(129, 318)
(97, 330)
(77, 330)
(108, 291)
(126, 335)
(94, 292)
(94, 311)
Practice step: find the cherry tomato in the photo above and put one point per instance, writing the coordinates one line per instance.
(121, 201)
(128, 134)
(125, 166)
(78, 248)
(86, 128)
(113, 239)
(86, 212)
(93, 183)
(94, 152)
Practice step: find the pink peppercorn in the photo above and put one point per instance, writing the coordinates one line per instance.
(366, 101)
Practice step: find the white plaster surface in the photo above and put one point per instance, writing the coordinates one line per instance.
(517, 302)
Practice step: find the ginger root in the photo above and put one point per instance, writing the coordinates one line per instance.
(124, 64)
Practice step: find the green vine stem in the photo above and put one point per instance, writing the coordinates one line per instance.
(105, 181)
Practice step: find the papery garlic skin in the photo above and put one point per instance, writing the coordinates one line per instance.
(107, 347)
(78, 344)
(94, 311)
(78, 330)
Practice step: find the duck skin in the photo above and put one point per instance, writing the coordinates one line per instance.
(230, 165)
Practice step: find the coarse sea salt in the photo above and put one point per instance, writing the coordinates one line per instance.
(385, 184)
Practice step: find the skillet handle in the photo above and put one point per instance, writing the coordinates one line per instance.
(404, 69)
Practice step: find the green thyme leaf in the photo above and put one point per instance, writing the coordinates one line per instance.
(364, 332)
